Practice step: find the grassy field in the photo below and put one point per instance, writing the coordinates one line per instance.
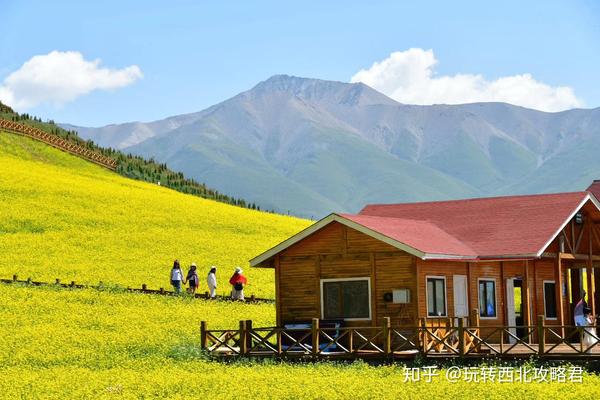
(62, 217)
(59, 343)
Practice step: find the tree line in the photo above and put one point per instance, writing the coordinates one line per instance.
(130, 165)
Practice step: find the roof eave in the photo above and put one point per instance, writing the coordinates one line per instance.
(256, 261)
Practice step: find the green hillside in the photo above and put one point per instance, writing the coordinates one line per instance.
(128, 165)
(63, 217)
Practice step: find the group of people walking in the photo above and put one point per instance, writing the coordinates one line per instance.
(237, 281)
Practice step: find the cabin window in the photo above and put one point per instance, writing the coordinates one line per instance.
(550, 299)
(436, 297)
(487, 298)
(348, 299)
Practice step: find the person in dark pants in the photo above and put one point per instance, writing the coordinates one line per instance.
(192, 278)
(237, 282)
(177, 277)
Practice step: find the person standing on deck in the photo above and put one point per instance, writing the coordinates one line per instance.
(211, 281)
(237, 282)
(579, 312)
(177, 277)
(192, 278)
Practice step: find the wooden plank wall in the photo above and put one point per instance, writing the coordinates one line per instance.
(340, 252)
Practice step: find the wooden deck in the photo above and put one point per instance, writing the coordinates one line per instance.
(385, 342)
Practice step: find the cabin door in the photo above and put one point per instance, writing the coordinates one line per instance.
(461, 305)
(514, 308)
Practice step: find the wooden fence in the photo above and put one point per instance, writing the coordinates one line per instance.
(58, 142)
(142, 289)
(457, 340)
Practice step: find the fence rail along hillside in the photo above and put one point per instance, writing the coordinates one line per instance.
(58, 142)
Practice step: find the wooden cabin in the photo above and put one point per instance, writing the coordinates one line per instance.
(510, 258)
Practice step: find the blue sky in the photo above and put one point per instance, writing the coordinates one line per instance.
(194, 54)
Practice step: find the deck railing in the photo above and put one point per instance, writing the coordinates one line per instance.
(450, 340)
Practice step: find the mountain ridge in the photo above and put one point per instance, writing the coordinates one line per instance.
(311, 146)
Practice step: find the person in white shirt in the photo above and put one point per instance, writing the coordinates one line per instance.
(177, 277)
(211, 281)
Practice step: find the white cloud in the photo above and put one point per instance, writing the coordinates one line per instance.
(409, 77)
(59, 77)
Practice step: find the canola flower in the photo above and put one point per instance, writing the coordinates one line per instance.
(63, 217)
(92, 344)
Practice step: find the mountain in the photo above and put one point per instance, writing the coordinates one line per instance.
(310, 147)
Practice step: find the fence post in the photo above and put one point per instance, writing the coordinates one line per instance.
(248, 335)
(72, 283)
(474, 322)
(29, 281)
(541, 335)
(57, 281)
(144, 287)
(243, 343)
(15, 277)
(315, 336)
(461, 336)
(423, 323)
(387, 336)
(203, 336)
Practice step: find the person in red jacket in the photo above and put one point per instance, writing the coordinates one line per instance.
(237, 282)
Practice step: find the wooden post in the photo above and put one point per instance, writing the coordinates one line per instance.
(72, 283)
(559, 287)
(527, 300)
(279, 344)
(475, 326)
(474, 318)
(423, 323)
(252, 299)
(144, 287)
(243, 343)
(590, 274)
(249, 335)
(206, 295)
(387, 335)
(541, 335)
(29, 281)
(278, 291)
(161, 291)
(315, 336)
(57, 281)
(461, 337)
(15, 277)
(373, 298)
(203, 336)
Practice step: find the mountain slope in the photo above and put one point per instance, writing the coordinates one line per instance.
(311, 147)
(63, 217)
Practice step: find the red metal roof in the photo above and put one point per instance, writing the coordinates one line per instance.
(509, 226)
(595, 189)
(421, 235)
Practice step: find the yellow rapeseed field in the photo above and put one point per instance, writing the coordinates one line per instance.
(63, 217)
(60, 343)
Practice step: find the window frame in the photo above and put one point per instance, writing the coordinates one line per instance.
(484, 279)
(365, 278)
(441, 277)
(556, 302)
